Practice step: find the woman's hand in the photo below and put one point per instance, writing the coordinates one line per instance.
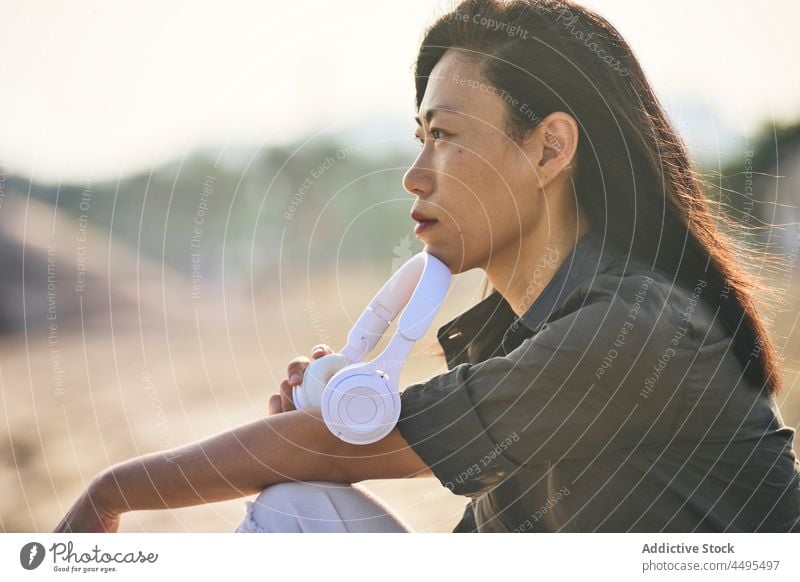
(91, 513)
(283, 402)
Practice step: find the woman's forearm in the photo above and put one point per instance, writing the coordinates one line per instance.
(289, 446)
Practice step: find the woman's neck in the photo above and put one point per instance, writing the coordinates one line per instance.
(521, 273)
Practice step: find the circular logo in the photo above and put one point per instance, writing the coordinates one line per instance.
(31, 555)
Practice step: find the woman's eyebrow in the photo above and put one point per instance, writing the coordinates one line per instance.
(433, 110)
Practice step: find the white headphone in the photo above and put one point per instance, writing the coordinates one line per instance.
(361, 401)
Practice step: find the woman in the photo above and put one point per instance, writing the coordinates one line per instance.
(617, 378)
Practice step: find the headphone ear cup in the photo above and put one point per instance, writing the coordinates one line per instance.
(361, 408)
(316, 376)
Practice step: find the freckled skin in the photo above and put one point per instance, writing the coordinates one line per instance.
(499, 203)
(481, 195)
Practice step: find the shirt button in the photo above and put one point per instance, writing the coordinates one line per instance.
(454, 333)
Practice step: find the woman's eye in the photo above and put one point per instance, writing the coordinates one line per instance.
(436, 133)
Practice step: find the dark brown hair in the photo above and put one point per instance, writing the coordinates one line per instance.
(633, 176)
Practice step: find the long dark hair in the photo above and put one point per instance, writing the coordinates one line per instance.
(633, 176)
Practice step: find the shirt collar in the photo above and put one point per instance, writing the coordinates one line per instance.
(465, 336)
(590, 256)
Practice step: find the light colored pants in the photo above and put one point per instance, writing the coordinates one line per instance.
(319, 506)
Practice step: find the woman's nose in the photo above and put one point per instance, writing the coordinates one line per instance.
(418, 180)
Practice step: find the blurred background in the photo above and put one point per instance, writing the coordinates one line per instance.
(192, 194)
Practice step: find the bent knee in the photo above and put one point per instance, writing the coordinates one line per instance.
(288, 489)
(280, 507)
(317, 506)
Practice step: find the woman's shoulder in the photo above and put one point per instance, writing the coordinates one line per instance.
(626, 288)
(630, 289)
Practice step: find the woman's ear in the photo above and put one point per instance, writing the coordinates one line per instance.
(553, 145)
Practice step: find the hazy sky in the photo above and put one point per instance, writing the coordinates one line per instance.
(100, 88)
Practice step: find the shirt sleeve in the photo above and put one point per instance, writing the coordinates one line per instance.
(575, 388)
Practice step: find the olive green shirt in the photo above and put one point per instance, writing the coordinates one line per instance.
(614, 403)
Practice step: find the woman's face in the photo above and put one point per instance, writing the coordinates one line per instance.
(478, 185)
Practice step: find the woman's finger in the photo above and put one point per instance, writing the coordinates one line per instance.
(275, 406)
(287, 403)
(298, 365)
(320, 350)
(295, 370)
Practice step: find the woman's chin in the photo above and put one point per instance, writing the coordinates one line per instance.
(436, 251)
(453, 260)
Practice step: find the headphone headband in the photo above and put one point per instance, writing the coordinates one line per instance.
(420, 285)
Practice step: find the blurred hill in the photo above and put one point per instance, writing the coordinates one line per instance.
(317, 201)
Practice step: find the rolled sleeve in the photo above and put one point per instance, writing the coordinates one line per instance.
(573, 389)
(440, 421)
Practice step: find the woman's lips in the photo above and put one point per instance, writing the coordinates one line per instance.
(424, 225)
